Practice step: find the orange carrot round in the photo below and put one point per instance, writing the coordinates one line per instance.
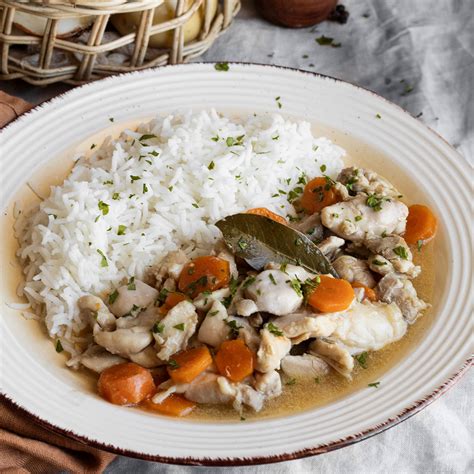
(126, 384)
(204, 274)
(263, 211)
(318, 193)
(331, 295)
(172, 299)
(187, 365)
(421, 224)
(173, 405)
(368, 292)
(234, 360)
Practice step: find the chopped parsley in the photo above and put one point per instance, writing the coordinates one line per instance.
(378, 116)
(358, 218)
(242, 243)
(272, 278)
(221, 67)
(374, 384)
(113, 296)
(116, 196)
(211, 165)
(294, 194)
(419, 244)
(277, 100)
(375, 202)
(111, 119)
(234, 328)
(276, 137)
(134, 178)
(153, 153)
(157, 328)
(146, 137)
(121, 229)
(378, 263)
(237, 141)
(131, 284)
(179, 327)
(93, 146)
(103, 261)
(108, 182)
(327, 41)
(401, 252)
(104, 207)
(407, 90)
(59, 346)
(172, 364)
(323, 168)
(170, 189)
(296, 285)
(215, 139)
(362, 359)
(213, 313)
(248, 281)
(196, 205)
(275, 330)
(283, 267)
(145, 188)
(161, 297)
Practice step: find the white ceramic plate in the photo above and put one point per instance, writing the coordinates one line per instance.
(34, 377)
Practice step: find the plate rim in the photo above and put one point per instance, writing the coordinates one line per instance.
(406, 413)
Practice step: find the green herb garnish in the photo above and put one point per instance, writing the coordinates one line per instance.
(59, 346)
(375, 202)
(221, 67)
(179, 327)
(374, 384)
(327, 41)
(234, 328)
(134, 178)
(158, 328)
(378, 263)
(146, 137)
(275, 330)
(121, 229)
(401, 252)
(419, 244)
(272, 278)
(131, 284)
(116, 196)
(362, 359)
(113, 296)
(172, 364)
(103, 262)
(211, 165)
(104, 207)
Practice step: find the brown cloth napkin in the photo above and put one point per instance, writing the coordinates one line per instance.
(25, 446)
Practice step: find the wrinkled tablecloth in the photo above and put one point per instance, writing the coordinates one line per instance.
(420, 55)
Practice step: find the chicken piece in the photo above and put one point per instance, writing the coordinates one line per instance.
(304, 366)
(170, 266)
(398, 289)
(272, 349)
(147, 358)
(352, 269)
(256, 320)
(342, 190)
(396, 251)
(245, 307)
(269, 384)
(302, 326)
(311, 226)
(245, 331)
(293, 271)
(124, 342)
(135, 294)
(95, 358)
(242, 394)
(366, 181)
(145, 319)
(204, 301)
(330, 247)
(214, 329)
(355, 219)
(336, 356)
(97, 312)
(177, 327)
(368, 326)
(380, 265)
(225, 254)
(272, 292)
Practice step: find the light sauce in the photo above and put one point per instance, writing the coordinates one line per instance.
(301, 395)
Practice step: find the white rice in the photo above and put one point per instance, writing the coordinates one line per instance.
(168, 191)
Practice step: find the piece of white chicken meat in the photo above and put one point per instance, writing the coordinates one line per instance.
(394, 249)
(97, 312)
(268, 383)
(398, 289)
(310, 226)
(133, 296)
(95, 358)
(171, 266)
(336, 356)
(354, 270)
(366, 181)
(331, 247)
(175, 329)
(273, 347)
(356, 218)
(304, 366)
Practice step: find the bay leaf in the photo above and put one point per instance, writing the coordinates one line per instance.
(260, 240)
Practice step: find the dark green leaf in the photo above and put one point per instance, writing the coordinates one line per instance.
(113, 296)
(374, 384)
(269, 241)
(103, 261)
(221, 67)
(131, 284)
(362, 359)
(401, 252)
(146, 137)
(121, 229)
(179, 327)
(104, 207)
(157, 328)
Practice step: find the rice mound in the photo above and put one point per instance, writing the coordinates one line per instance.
(152, 191)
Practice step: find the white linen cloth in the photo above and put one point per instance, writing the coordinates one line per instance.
(391, 47)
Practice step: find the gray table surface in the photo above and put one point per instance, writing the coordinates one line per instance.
(419, 55)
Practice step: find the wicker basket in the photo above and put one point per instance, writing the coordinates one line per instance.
(98, 50)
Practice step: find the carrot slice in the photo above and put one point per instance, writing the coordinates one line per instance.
(368, 292)
(204, 274)
(421, 224)
(189, 364)
(173, 405)
(172, 299)
(126, 384)
(263, 211)
(331, 295)
(318, 193)
(234, 360)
